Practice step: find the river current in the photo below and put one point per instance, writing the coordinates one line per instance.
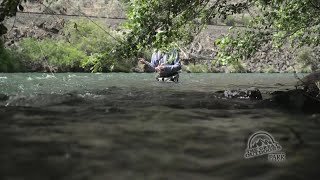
(129, 126)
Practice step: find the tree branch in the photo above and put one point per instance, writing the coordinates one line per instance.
(314, 5)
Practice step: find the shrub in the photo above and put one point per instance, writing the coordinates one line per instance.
(237, 67)
(90, 37)
(198, 68)
(230, 21)
(85, 45)
(308, 59)
(268, 69)
(51, 52)
(245, 20)
(102, 46)
(9, 61)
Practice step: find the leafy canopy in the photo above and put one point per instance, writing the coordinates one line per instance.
(278, 21)
(275, 22)
(169, 23)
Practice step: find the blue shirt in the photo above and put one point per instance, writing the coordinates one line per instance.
(172, 62)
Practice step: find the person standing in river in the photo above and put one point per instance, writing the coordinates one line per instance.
(164, 64)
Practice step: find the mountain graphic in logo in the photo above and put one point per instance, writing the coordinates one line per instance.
(261, 142)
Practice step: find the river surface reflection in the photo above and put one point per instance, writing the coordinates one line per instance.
(128, 126)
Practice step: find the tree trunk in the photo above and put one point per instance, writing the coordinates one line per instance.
(7, 8)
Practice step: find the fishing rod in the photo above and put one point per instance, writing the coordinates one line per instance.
(73, 15)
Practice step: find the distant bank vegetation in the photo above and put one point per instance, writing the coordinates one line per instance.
(83, 47)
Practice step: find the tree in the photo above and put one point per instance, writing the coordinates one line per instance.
(167, 23)
(278, 21)
(7, 8)
(294, 22)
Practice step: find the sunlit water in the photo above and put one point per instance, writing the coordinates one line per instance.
(129, 126)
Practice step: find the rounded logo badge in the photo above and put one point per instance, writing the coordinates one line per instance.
(261, 143)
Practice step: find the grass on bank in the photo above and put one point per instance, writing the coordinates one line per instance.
(83, 47)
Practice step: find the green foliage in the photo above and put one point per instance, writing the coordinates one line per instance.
(268, 69)
(230, 21)
(9, 61)
(178, 21)
(171, 23)
(245, 20)
(151, 24)
(104, 62)
(295, 22)
(198, 68)
(54, 53)
(104, 48)
(85, 45)
(237, 67)
(89, 37)
(307, 59)
(94, 62)
(239, 45)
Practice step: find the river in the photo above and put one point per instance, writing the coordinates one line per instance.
(129, 126)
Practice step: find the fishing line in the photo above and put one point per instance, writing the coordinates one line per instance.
(84, 15)
(41, 50)
(73, 15)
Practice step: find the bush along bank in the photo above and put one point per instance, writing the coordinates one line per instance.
(81, 46)
(9, 60)
(301, 60)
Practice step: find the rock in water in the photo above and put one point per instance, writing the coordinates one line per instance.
(251, 93)
(296, 100)
(3, 97)
(310, 83)
(310, 79)
(173, 78)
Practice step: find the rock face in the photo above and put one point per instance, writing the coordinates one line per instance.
(39, 30)
(7, 8)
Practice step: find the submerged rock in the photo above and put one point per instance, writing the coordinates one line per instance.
(3, 97)
(297, 100)
(251, 93)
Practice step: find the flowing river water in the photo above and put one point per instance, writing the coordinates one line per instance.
(78, 126)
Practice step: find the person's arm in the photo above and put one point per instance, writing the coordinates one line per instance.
(152, 64)
(175, 66)
(172, 68)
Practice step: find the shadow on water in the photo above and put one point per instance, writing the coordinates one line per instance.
(148, 133)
